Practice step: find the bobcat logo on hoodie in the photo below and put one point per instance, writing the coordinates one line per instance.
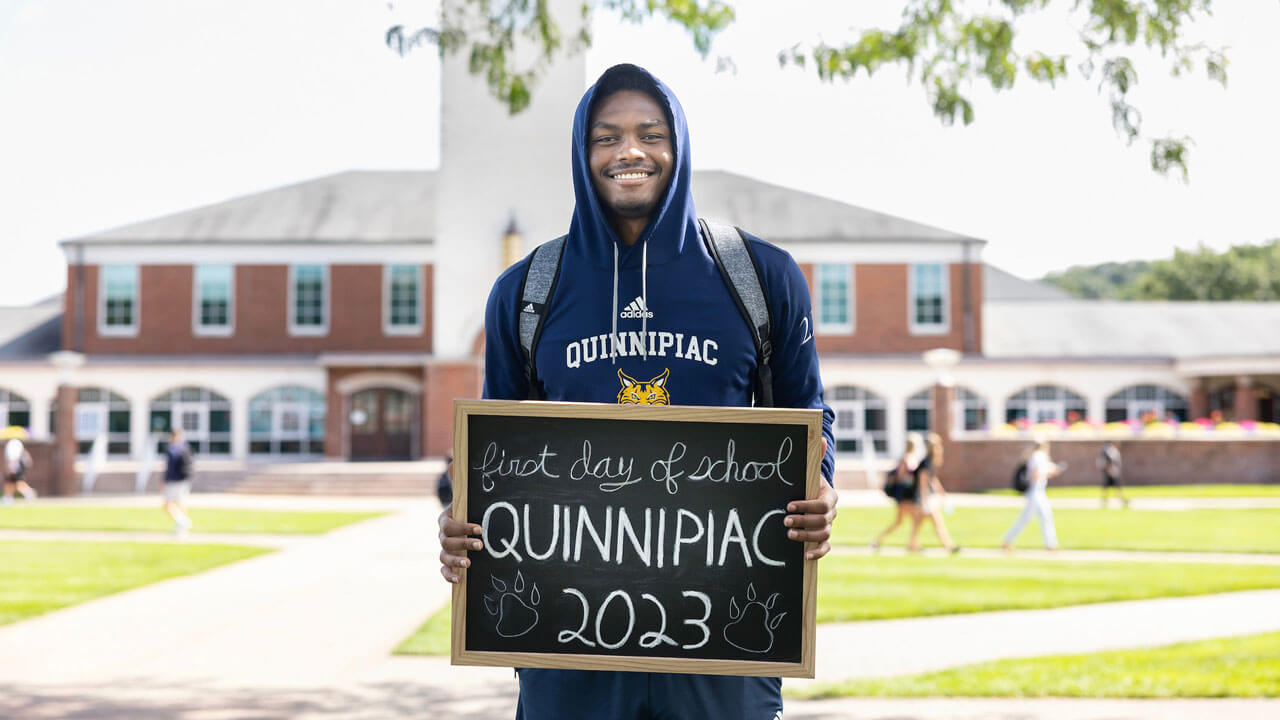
(653, 392)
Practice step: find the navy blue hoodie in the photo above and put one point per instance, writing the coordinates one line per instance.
(680, 340)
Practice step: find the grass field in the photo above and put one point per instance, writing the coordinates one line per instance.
(1246, 530)
(877, 588)
(1230, 667)
(211, 520)
(1163, 491)
(36, 577)
(874, 588)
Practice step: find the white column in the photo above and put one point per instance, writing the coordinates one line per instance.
(1097, 406)
(139, 425)
(995, 410)
(239, 425)
(39, 406)
(895, 422)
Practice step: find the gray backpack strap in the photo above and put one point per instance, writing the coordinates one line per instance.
(738, 268)
(540, 279)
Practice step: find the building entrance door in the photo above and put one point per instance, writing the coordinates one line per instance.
(381, 424)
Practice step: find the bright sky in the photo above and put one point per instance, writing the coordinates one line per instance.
(115, 111)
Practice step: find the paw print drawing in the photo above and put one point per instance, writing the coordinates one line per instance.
(516, 615)
(753, 625)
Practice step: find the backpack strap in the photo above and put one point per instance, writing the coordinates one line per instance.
(540, 278)
(738, 268)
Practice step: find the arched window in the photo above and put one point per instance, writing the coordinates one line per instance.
(971, 410)
(1136, 401)
(1044, 403)
(858, 412)
(99, 412)
(14, 410)
(920, 411)
(287, 421)
(203, 415)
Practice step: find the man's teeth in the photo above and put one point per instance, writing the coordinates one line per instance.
(631, 176)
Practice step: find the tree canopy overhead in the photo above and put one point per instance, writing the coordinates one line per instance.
(1242, 272)
(944, 45)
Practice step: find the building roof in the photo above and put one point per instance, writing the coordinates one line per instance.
(354, 206)
(1100, 329)
(1000, 285)
(390, 206)
(31, 331)
(782, 214)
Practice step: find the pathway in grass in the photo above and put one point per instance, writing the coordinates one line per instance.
(1249, 530)
(36, 577)
(881, 588)
(1229, 667)
(211, 520)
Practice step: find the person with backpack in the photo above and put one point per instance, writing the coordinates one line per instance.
(930, 497)
(644, 303)
(177, 482)
(1037, 470)
(901, 486)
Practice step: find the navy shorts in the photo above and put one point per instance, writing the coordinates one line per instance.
(564, 694)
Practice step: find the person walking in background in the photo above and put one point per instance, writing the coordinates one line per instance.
(1039, 469)
(930, 498)
(902, 486)
(1109, 464)
(17, 461)
(177, 482)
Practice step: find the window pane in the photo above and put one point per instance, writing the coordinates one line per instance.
(404, 295)
(927, 302)
(308, 295)
(120, 284)
(833, 295)
(213, 292)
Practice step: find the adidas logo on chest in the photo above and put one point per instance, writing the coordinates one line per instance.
(636, 310)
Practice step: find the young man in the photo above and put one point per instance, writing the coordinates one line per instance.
(642, 314)
(177, 482)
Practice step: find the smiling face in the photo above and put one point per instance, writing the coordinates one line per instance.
(631, 158)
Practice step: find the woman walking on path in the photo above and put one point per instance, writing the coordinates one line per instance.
(930, 497)
(1039, 469)
(905, 496)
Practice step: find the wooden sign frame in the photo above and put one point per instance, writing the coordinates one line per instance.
(810, 419)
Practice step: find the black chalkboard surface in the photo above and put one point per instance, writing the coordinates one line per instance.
(635, 538)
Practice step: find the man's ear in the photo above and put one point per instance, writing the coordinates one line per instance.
(627, 381)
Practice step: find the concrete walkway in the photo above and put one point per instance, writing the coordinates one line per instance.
(307, 631)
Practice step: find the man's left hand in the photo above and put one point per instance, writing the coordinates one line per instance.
(810, 520)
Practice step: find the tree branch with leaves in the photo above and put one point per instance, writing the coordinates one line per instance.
(945, 46)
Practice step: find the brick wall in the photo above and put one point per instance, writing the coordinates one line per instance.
(447, 381)
(881, 322)
(261, 322)
(984, 464)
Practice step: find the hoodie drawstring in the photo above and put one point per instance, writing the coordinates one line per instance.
(613, 311)
(644, 297)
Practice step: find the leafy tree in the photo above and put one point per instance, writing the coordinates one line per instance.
(945, 45)
(1102, 282)
(1243, 272)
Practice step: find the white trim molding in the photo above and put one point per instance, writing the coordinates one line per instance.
(374, 379)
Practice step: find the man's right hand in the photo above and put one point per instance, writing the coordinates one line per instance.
(456, 538)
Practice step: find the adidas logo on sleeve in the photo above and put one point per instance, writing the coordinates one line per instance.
(636, 310)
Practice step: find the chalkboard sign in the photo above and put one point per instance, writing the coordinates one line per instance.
(634, 537)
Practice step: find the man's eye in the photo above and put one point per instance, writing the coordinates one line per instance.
(604, 139)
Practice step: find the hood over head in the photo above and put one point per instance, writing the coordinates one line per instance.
(675, 220)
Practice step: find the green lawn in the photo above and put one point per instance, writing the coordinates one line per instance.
(36, 577)
(1163, 491)
(212, 520)
(874, 587)
(430, 639)
(1246, 530)
(1230, 667)
(877, 588)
